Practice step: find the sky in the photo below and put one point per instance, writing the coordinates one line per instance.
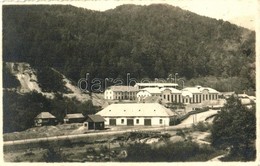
(240, 12)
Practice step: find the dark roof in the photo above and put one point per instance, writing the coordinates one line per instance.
(95, 118)
(123, 89)
(74, 116)
(45, 115)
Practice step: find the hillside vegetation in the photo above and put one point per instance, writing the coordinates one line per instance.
(146, 41)
(19, 110)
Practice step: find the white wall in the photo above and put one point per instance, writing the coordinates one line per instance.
(154, 120)
(108, 94)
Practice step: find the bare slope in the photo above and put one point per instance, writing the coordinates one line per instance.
(27, 77)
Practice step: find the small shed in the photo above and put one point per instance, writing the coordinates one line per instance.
(95, 122)
(74, 118)
(45, 118)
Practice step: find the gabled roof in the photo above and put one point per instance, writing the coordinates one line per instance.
(209, 89)
(74, 116)
(95, 118)
(242, 95)
(154, 90)
(153, 84)
(123, 88)
(186, 93)
(199, 89)
(191, 89)
(45, 115)
(136, 110)
(173, 90)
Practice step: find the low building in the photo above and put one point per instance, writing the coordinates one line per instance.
(199, 94)
(121, 93)
(171, 95)
(95, 122)
(74, 118)
(155, 85)
(137, 114)
(246, 99)
(147, 92)
(45, 118)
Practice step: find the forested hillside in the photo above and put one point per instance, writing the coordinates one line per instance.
(146, 41)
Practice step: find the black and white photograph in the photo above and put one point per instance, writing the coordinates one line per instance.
(130, 81)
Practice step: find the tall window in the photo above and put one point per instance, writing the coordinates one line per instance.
(122, 121)
(137, 121)
(160, 121)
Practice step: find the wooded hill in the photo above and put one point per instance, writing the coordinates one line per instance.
(146, 41)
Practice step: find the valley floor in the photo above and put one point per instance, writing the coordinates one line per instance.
(74, 141)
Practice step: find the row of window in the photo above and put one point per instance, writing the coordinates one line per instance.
(137, 121)
(123, 93)
(126, 97)
(194, 99)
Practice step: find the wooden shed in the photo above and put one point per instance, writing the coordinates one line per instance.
(74, 118)
(45, 118)
(95, 122)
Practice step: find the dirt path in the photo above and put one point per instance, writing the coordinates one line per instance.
(200, 117)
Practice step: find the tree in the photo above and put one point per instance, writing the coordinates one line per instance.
(150, 41)
(234, 127)
(53, 155)
(9, 80)
(50, 81)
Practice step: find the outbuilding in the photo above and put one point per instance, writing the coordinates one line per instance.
(45, 118)
(95, 122)
(74, 118)
(120, 93)
(137, 114)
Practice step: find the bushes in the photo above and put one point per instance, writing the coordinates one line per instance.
(201, 126)
(180, 133)
(16, 107)
(179, 151)
(67, 38)
(50, 81)
(9, 81)
(234, 127)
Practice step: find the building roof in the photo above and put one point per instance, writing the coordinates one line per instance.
(252, 97)
(245, 101)
(173, 90)
(74, 116)
(186, 93)
(154, 90)
(191, 89)
(211, 90)
(136, 110)
(157, 84)
(242, 95)
(199, 89)
(123, 88)
(45, 115)
(95, 118)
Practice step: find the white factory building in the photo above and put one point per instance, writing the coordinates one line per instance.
(137, 114)
(121, 93)
(155, 85)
